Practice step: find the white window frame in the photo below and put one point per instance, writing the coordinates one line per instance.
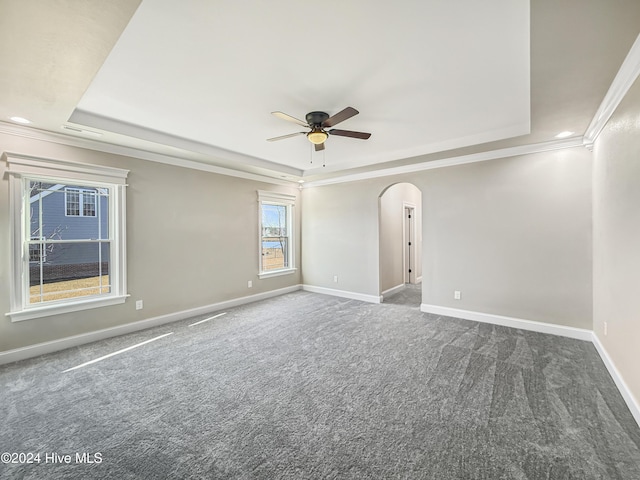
(289, 201)
(22, 169)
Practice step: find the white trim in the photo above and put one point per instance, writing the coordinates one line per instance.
(76, 306)
(625, 78)
(452, 161)
(23, 168)
(392, 290)
(276, 197)
(419, 280)
(56, 345)
(363, 297)
(32, 351)
(631, 401)
(22, 165)
(514, 130)
(277, 273)
(534, 326)
(15, 221)
(101, 146)
(84, 118)
(281, 199)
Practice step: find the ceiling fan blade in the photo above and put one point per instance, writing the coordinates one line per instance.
(289, 118)
(282, 137)
(349, 133)
(340, 117)
(319, 146)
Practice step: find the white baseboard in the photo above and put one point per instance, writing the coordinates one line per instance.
(629, 399)
(343, 293)
(392, 290)
(577, 333)
(419, 279)
(76, 340)
(561, 330)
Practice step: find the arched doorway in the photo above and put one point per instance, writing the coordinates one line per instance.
(400, 231)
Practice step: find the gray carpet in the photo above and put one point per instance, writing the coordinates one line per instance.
(410, 296)
(310, 386)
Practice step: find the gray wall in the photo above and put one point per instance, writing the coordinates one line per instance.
(340, 236)
(513, 235)
(616, 239)
(392, 248)
(192, 240)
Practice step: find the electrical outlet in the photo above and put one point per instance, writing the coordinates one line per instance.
(605, 329)
(456, 294)
(335, 279)
(249, 284)
(139, 305)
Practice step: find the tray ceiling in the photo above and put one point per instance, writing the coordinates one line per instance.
(193, 83)
(425, 76)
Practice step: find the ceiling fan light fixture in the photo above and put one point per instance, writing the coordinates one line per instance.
(317, 136)
(317, 122)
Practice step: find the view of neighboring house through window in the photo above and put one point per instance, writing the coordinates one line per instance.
(68, 236)
(69, 249)
(80, 202)
(276, 246)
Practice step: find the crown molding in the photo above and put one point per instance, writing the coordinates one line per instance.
(621, 84)
(624, 79)
(375, 161)
(62, 139)
(90, 144)
(452, 161)
(27, 164)
(83, 118)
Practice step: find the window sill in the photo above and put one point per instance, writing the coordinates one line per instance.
(277, 273)
(48, 310)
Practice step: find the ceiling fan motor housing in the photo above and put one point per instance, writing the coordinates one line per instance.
(320, 123)
(316, 118)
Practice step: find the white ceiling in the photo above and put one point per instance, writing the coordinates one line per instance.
(426, 76)
(194, 82)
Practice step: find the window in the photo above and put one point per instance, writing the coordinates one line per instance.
(276, 233)
(68, 236)
(275, 237)
(80, 202)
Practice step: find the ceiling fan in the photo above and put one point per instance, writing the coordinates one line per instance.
(319, 122)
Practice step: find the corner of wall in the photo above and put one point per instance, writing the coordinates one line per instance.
(629, 398)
